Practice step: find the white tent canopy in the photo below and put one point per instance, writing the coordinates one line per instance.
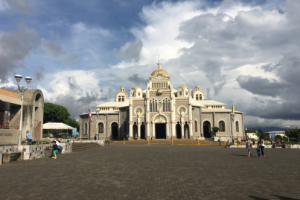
(56, 126)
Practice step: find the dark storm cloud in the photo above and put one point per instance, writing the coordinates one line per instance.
(287, 91)
(56, 51)
(261, 86)
(39, 74)
(81, 105)
(15, 46)
(137, 80)
(131, 50)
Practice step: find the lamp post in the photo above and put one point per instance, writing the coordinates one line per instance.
(22, 89)
(287, 128)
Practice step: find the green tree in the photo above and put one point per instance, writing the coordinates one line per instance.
(261, 134)
(215, 129)
(293, 133)
(278, 137)
(55, 113)
(72, 122)
(251, 130)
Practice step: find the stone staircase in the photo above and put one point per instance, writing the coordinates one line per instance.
(175, 142)
(84, 146)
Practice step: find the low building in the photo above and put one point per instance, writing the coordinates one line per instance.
(162, 112)
(10, 115)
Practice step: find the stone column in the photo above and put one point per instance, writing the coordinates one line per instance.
(139, 130)
(173, 129)
(191, 129)
(147, 128)
(153, 129)
(182, 130)
(130, 119)
(173, 119)
(167, 131)
(190, 118)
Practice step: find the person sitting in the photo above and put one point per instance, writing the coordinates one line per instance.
(279, 142)
(28, 136)
(227, 144)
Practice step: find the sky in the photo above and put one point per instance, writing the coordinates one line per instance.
(79, 53)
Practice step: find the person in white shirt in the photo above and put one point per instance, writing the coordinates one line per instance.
(60, 148)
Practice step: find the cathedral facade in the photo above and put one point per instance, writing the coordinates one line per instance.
(162, 112)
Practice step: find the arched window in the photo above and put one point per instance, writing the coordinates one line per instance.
(151, 106)
(119, 99)
(100, 127)
(169, 105)
(180, 93)
(85, 128)
(164, 106)
(186, 93)
(222, 126)
(197, 97)
(196, 126)
(155, 106)
(237, 126)
(123, 98)
(200, 96)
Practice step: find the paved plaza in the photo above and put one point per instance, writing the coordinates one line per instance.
(141, 171)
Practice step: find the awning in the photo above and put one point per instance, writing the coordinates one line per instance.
(56, 126)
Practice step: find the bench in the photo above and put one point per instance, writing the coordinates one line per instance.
(7, 157)
(278, 145)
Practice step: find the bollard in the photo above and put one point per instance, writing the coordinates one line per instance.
(124, 141)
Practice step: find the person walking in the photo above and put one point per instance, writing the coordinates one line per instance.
(258, 149)
(95, 137)
(127, 136)
(219, 142)
(262, 146)
(98, 136)
(248, 146)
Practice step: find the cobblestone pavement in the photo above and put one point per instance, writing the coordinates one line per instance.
(141, 171)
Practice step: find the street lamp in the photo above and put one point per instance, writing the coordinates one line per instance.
(97, 112)
(22, 89)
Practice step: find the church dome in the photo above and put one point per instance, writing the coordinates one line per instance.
(136, 87)
(122, 88)
(183, 87)
(159, 71)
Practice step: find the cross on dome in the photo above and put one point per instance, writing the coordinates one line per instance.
(159, 63)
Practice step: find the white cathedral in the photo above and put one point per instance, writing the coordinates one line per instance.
(162, 112)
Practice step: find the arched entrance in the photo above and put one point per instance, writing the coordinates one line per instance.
(114, 131)
(143, 131)
(160, 130)
(160, 126)
(207, 129)
(178, 131)
(186, 131)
